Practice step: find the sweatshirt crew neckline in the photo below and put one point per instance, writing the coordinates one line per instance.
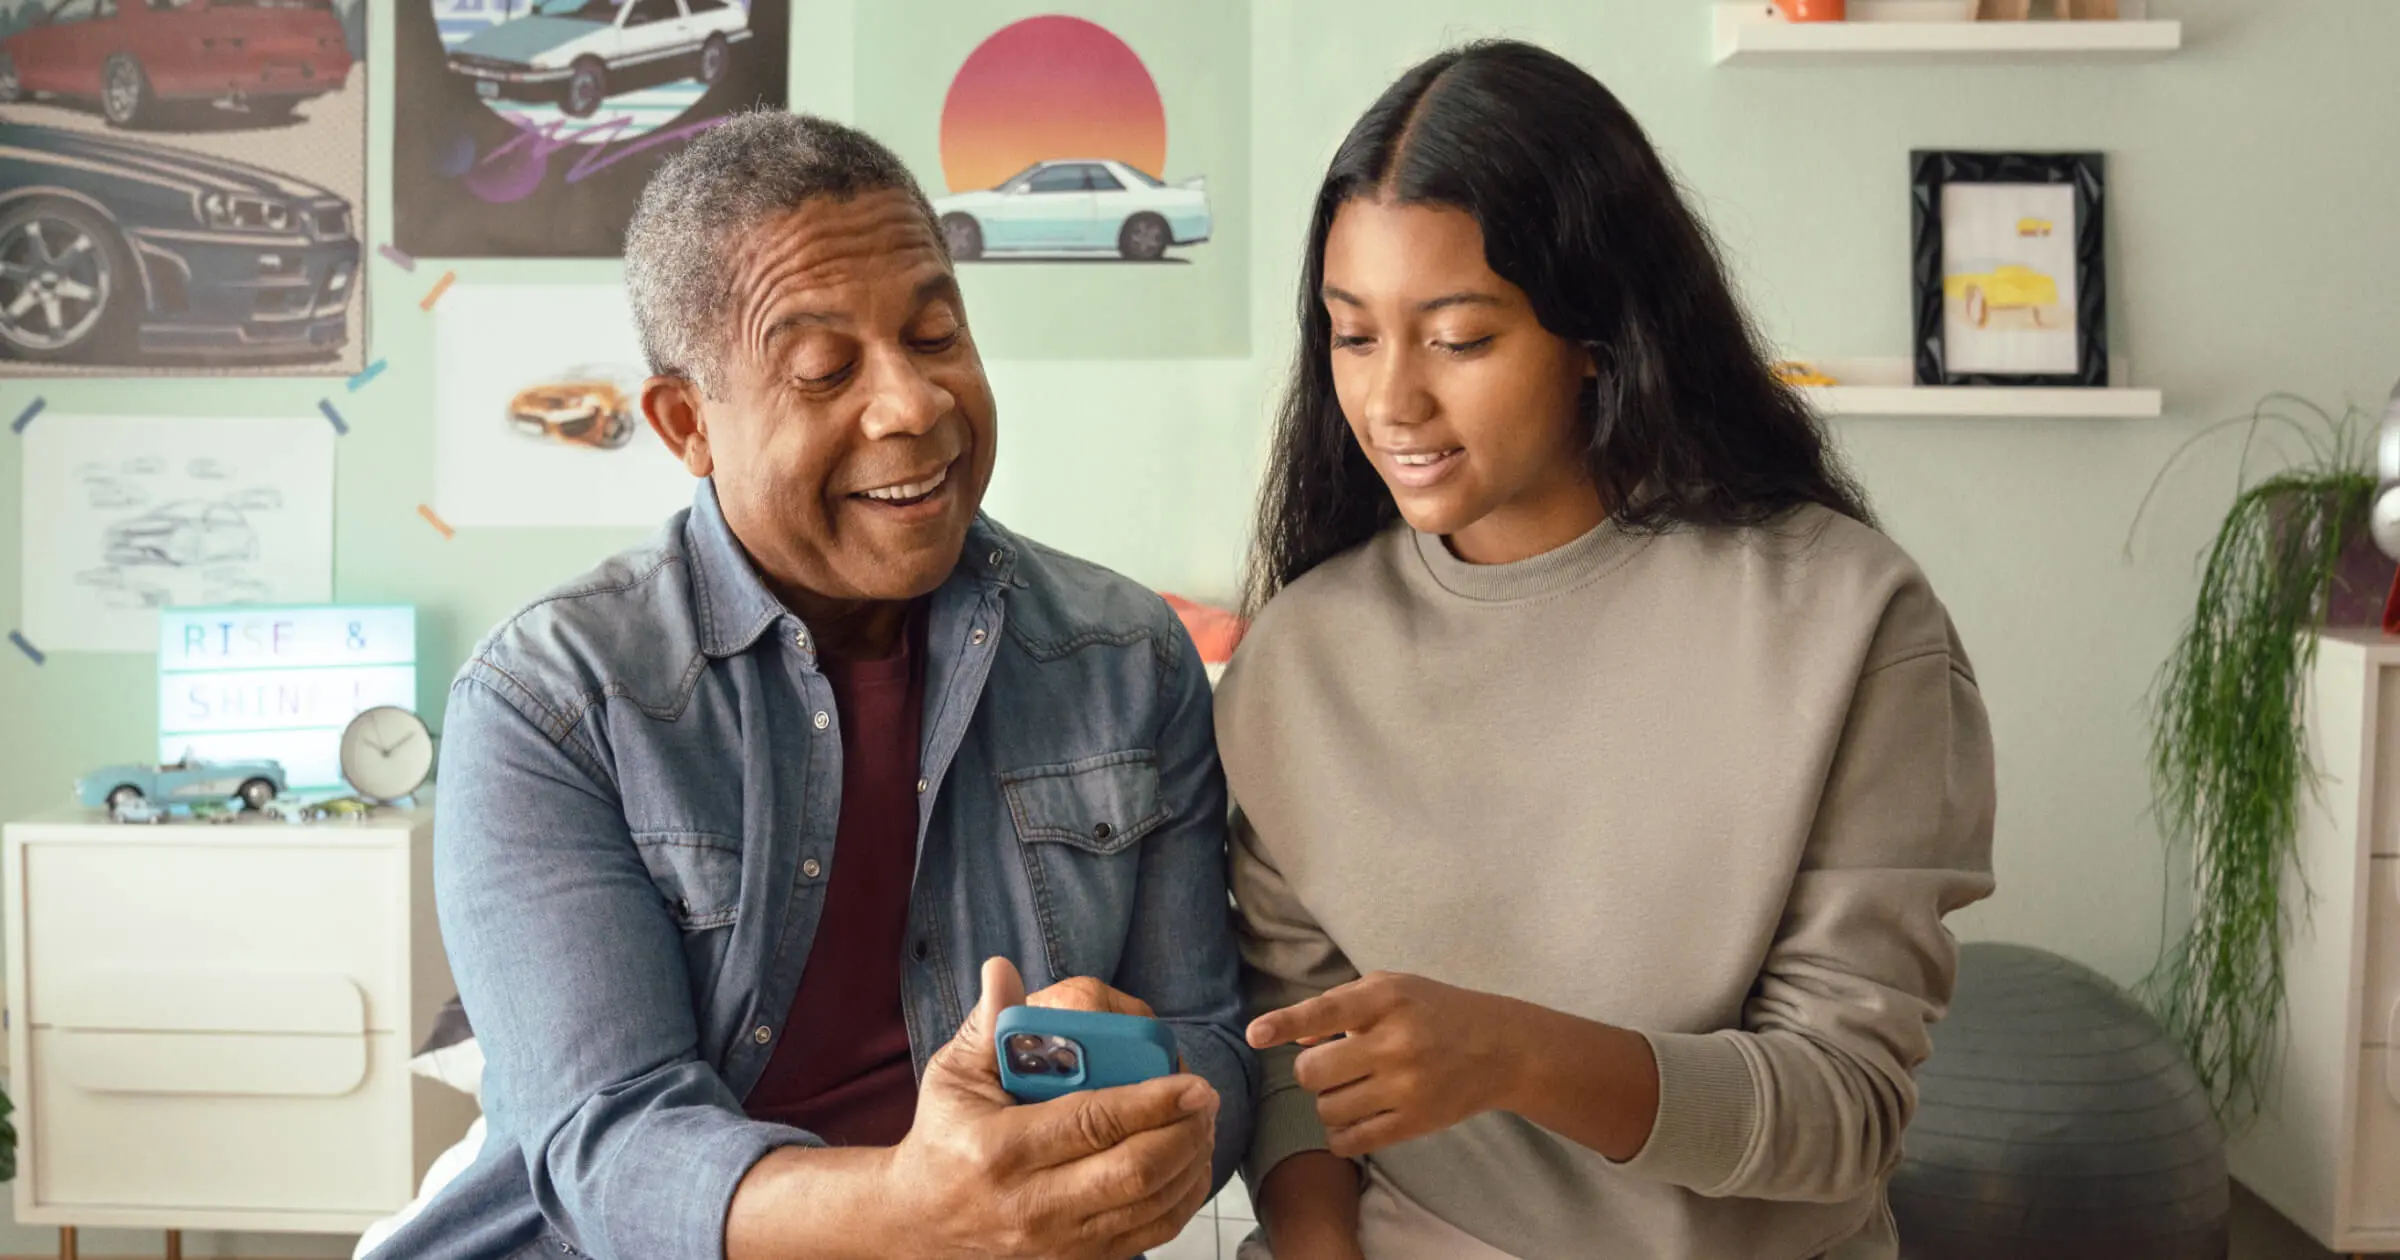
(1584, 559)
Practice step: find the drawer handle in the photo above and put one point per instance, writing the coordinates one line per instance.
(212, 1064)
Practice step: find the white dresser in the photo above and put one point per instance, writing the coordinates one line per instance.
(210, 1025)
(2327, 1151)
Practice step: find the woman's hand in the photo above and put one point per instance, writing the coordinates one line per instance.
(1393, 1057)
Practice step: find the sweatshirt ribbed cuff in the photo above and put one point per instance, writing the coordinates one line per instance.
(1285, 1125)
(1708, 1111)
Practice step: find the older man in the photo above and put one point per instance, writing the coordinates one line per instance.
(729, 825)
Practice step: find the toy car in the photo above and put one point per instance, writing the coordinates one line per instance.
(584, 406)
(209, 812)
(1078, 206)
(578, 53)
(138, 810)
(1794, 372)
(183, 782)
(344, 808)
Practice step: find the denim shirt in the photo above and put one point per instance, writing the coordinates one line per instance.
(641, 779)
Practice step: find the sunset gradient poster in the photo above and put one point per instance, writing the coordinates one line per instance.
(1049, 86)
(1088, 163)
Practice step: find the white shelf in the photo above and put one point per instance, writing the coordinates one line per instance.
(1885, 387)
(1755, 34)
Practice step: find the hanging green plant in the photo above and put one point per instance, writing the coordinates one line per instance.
(2229, 756)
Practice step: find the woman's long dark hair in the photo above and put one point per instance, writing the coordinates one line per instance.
(1688, 425)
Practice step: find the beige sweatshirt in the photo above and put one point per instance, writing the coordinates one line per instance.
(1718, 787)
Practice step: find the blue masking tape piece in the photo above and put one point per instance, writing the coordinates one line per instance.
(374, 370)
(26, 416)
(26, 647)
(339, 425)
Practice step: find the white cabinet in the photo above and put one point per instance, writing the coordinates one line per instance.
(210, 1025)
(2326, 1153)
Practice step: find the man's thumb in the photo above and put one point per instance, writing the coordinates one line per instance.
(1002, 988)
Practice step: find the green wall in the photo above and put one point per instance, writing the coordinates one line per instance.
(2255, 228)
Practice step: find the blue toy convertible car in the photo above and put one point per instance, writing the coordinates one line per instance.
(254, 783)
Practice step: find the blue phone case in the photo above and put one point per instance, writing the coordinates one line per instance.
(1110, 1050)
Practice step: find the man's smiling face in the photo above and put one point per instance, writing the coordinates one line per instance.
(849, 429)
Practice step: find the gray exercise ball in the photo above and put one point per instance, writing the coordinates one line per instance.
(2057, 1121)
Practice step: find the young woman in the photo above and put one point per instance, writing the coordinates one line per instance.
(1603, 776)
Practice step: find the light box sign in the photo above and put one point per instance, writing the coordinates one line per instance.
(266, 682)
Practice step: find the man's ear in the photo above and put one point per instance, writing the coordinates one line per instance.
(672, 404)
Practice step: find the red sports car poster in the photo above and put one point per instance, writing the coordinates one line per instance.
(180, 186)
(531, 125)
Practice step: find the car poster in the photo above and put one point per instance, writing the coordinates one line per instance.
(180, 186)
(1089, 164)
(127, 515)
(537, 411)
(528, 127)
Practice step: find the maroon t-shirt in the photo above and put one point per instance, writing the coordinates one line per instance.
(843, 1070)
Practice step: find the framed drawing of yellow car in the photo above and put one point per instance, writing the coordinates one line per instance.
(2009, 262)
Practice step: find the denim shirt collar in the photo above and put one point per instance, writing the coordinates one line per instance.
(735, 606)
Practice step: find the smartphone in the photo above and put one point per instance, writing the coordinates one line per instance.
(1046, 1054)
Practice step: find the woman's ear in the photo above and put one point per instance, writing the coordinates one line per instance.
(673, 406)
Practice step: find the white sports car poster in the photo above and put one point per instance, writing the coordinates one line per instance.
(528, 127)
(1089, 165)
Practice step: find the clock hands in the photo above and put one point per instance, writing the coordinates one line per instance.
(386, 750)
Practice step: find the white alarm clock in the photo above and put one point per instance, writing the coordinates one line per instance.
(387, 753)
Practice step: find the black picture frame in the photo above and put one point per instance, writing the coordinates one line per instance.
(2085, 174)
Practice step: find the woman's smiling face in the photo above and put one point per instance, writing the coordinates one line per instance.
(1460, 398)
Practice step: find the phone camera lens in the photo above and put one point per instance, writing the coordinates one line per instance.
(1065, 1061)
(1028, 1063)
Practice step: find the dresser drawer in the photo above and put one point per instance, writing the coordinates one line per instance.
(2379, 1012)
(242, 1122)
(2375, 1175)
(140, 912)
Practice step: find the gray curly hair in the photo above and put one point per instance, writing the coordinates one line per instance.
(696, 209)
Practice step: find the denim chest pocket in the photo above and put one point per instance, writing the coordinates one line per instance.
(699, 875)
(1078, 825)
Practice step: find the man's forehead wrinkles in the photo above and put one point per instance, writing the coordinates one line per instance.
(803, 260)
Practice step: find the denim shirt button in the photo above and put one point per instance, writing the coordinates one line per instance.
(923, 785)
(1102, 832)
(977, 637)
(762, 1034)
(920, 950)
(811, 869)
(800, 640)
(822, 720)
(995, 559)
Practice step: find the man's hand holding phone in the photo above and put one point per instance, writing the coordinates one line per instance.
(1100, 1174)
